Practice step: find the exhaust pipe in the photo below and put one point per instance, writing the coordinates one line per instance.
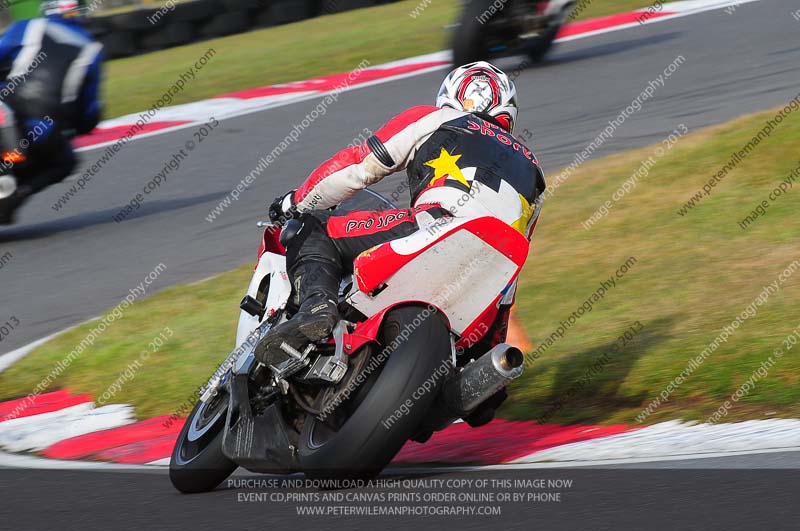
(482, 378)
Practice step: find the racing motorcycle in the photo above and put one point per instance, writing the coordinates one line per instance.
(408, 357)
(494, 28)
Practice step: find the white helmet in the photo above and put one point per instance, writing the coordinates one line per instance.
(61, 8)
(481, 88)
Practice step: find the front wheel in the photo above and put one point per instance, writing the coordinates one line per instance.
(197, 463)
(387, 400)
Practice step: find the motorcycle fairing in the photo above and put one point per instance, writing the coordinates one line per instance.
(271, 267)
(463, 267)
(271, 242)
(367, 331)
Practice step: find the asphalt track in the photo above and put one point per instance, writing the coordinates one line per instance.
(597, 499)
(69, 266)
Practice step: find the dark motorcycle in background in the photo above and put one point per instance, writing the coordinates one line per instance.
(497, 28)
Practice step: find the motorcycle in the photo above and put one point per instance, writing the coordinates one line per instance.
(402, 363)
(495, 28)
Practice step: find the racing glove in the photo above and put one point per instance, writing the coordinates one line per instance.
(283, 208)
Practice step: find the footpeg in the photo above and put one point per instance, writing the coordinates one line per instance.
(252, 306)
(295, 362)
(331, 369)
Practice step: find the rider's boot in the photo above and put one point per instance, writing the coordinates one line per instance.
(316, 282)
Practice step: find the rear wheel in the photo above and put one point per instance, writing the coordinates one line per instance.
(469, 41)
(537, 47)
(197, 463)
(387, 400)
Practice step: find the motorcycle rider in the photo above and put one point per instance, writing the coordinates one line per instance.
(52, 84)
(463, 145)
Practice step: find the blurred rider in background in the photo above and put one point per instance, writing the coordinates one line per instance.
(50, 68)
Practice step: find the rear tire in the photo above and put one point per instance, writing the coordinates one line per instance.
(469, 44)
(198, 464)
(537, 47)
(363, 445)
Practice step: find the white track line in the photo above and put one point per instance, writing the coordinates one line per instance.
(265, 106)
(685, 9)
(675, 438)
(8, 359)
(40, 463)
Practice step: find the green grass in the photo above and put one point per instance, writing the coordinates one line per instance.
(319, 46)
(201, 339)
(601, 8)
(315, 47)
(694, 275)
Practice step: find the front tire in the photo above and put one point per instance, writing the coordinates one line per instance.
(372, 432)
(197, 463)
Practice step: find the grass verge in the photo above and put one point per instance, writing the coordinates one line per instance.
(315, 47)
(693, 275)
(198, 321)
